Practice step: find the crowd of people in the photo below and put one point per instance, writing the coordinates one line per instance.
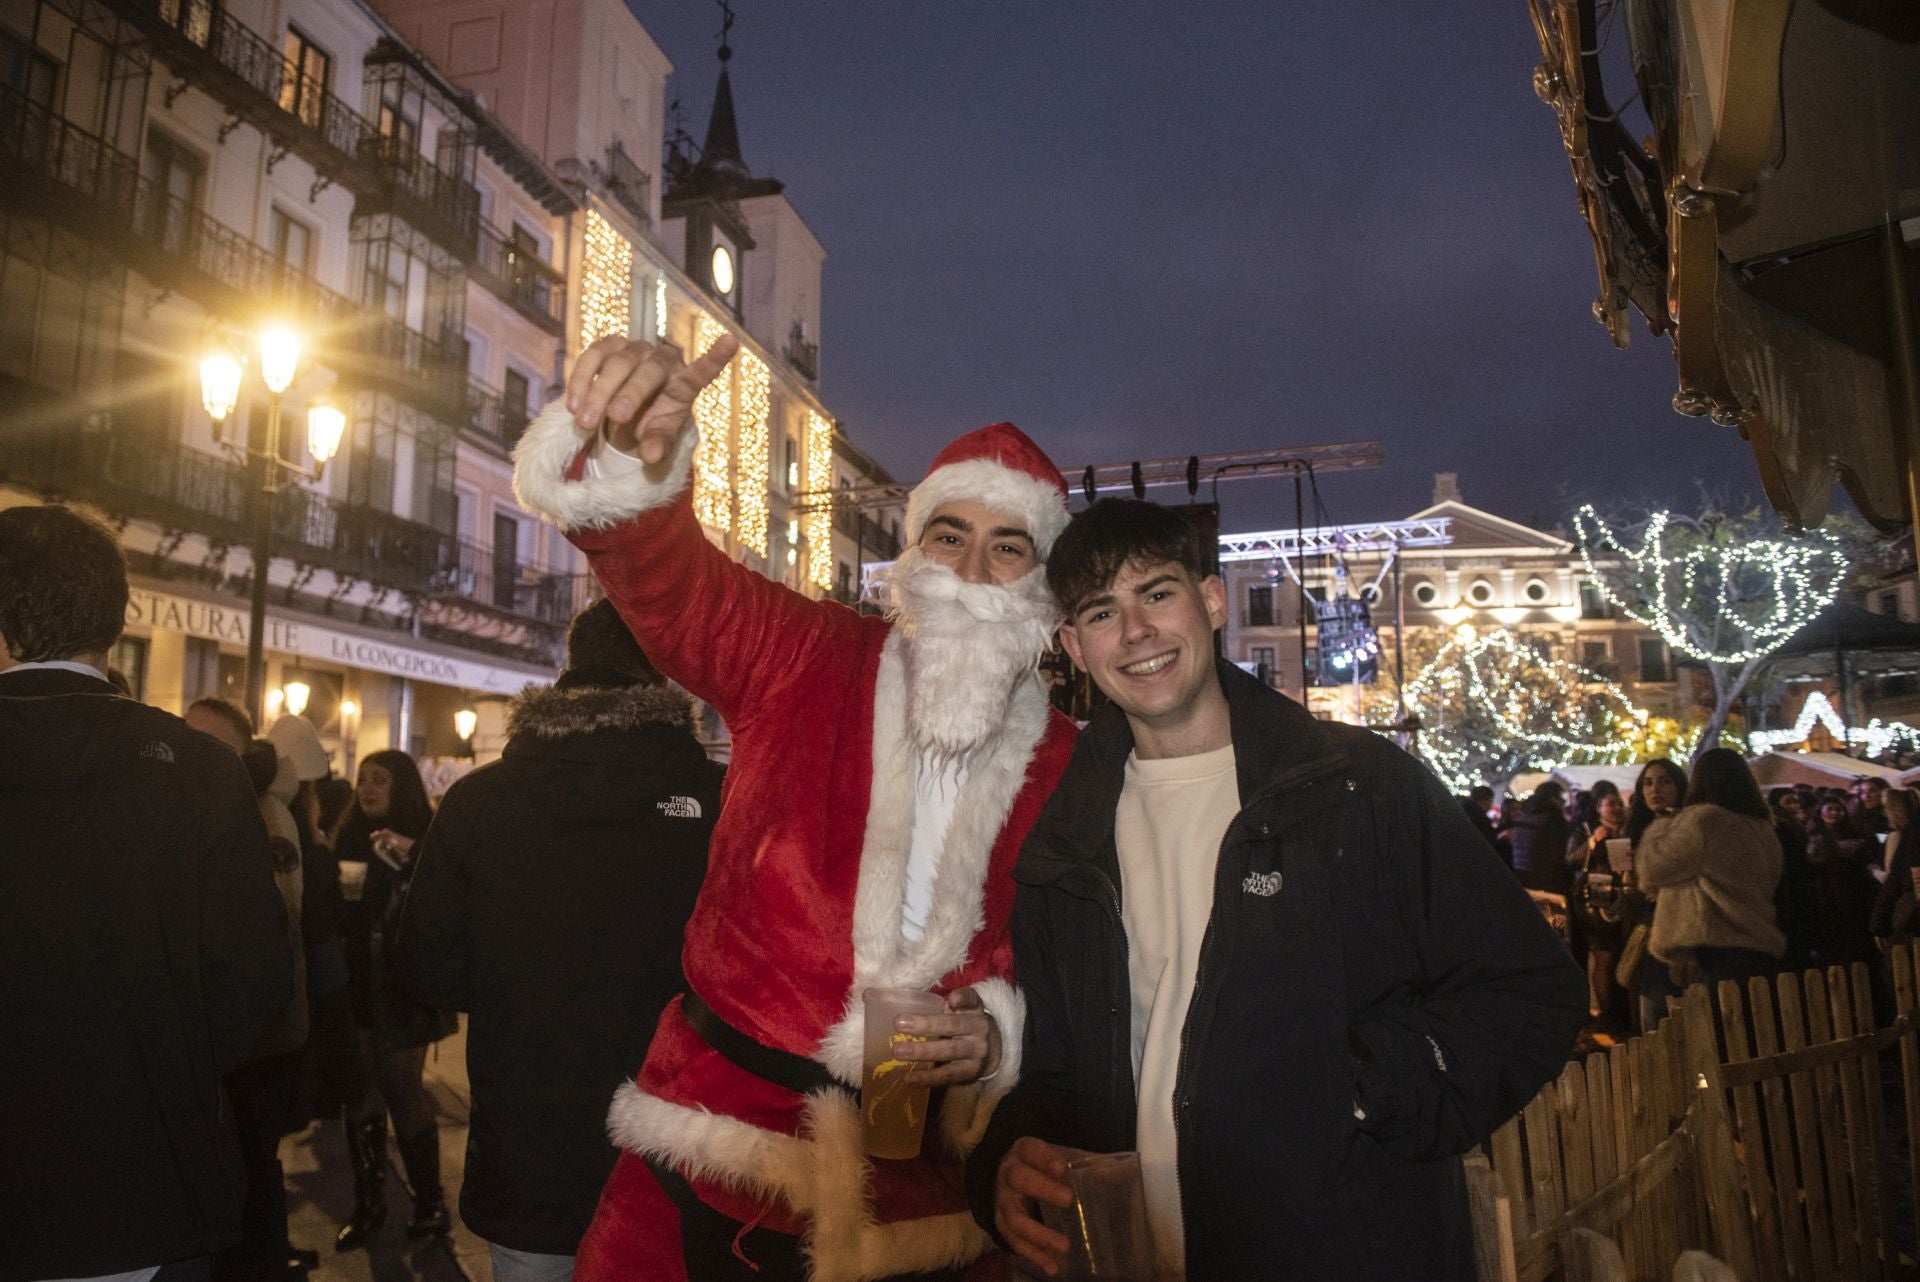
(1699, 876)
(1267, 956)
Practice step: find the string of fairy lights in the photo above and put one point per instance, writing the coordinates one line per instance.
(712, 456)
(606, 281)
(1548, 711)
(819, 521)
(1803, 576)
(750, 495)
(1877, 736)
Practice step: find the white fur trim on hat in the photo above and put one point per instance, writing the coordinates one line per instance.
(620, 488)
(1033, 502)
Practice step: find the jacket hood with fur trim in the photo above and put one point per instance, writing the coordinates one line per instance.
(549, 712)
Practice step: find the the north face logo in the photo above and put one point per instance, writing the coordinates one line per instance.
(679, 808)
(1264, 884)
(157, 750)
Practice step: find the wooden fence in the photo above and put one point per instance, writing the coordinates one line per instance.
(1764, 1139)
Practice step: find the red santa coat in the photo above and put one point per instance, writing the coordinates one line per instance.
(801, 908)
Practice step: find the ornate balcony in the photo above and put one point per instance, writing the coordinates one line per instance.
(132, 472)
(522, 280)
(476, 576)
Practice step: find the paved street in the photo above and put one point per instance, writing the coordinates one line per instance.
(320, 1193)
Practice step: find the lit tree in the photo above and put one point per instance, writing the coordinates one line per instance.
(1725, 591)
(1489, 705)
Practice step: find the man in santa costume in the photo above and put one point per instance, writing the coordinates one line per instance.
(884, 775)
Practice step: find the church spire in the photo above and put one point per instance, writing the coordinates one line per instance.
(722, 147)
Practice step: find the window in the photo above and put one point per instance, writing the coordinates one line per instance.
(129, 659)
(793, 465)
(529, 241)
(396, 122)
(26, 71)
(1263, 660)
(305, 77)
(1654, 665)
(506, 559)
(514, 411)
(1536, 592)
(1890, 604)
(1425, 593)
(175, 172)
(1260, 607)
(1595, 655)
(1481, 593)
(292, 242)
(1542, 647)
(1593, 602)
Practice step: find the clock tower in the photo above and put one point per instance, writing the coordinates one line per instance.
(705, 193)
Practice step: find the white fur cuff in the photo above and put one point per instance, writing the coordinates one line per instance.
(547, 450)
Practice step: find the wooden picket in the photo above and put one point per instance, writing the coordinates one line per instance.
(1752, 1125)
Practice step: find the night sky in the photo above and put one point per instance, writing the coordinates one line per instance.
(1140, 230)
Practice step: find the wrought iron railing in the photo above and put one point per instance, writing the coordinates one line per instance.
(445, 205)
(493, 417)
(519, 276)
(474, 574)
(629, 184)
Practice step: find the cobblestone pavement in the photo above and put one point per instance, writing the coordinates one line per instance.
(320, 1193)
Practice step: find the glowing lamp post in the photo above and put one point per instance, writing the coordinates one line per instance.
(220, 377)
(465, 722)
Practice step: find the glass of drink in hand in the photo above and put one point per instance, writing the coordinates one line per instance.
(1106, 1227)
(893, 1109)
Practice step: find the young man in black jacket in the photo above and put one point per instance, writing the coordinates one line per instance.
(549, 901)
(143, 947)
(1267, 952)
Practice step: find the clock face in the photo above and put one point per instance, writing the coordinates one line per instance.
(722, 270)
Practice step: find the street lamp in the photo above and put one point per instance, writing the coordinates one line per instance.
(465, 722)
(220, 376)
(297, 694)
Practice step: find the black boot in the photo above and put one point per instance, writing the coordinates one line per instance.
(367, 1147)
(421, 1154)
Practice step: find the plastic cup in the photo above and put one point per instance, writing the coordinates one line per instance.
(353, 879)
(1106, 1227)
(893, 1110)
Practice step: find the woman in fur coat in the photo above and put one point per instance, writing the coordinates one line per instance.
(1712, 868)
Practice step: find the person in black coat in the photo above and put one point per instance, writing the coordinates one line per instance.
(548, 901)
(1367, 995)
(143, 946)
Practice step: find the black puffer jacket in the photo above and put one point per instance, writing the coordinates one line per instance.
(1375, 994)
(143, 955)
(548, 901)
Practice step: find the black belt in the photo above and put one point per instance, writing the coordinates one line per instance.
(796, 1073)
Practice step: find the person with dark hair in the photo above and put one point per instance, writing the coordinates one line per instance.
(390, 812)
(1660, 790)
(549, 900)
(224, 719)
(1712, 870)
(1266, 952)
(143, 947)
(1540, 838)
(1595, 902)
(884, 773)
(1475, 805)
(1844, 891)
(1794, 902)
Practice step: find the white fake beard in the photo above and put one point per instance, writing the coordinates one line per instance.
(968, 645)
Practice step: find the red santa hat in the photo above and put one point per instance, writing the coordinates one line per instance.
(999, 466)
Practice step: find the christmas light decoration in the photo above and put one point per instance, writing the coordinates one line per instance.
(1877, 736)
(606, 281)
(1490, 704)
(660, 308)
(820, 485)
(1801, 579)
(756, 406)
(713, 456)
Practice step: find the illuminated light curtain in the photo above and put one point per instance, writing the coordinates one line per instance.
(819, 522)
(713, 457)
(606, 286)
(756, 406)
(660, 309)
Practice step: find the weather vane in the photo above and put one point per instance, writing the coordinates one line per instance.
(726, 27)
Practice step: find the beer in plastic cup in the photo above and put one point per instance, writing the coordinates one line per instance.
(1106, 1227)
(353, 879)
(892, 1109)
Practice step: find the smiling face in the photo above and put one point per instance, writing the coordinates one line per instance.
(978, 543)
(1612, 811)
(1147, 641)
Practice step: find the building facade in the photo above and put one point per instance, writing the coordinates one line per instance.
(182, 174)
(1487, 573)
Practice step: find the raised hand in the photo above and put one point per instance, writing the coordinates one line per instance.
(641, 392)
